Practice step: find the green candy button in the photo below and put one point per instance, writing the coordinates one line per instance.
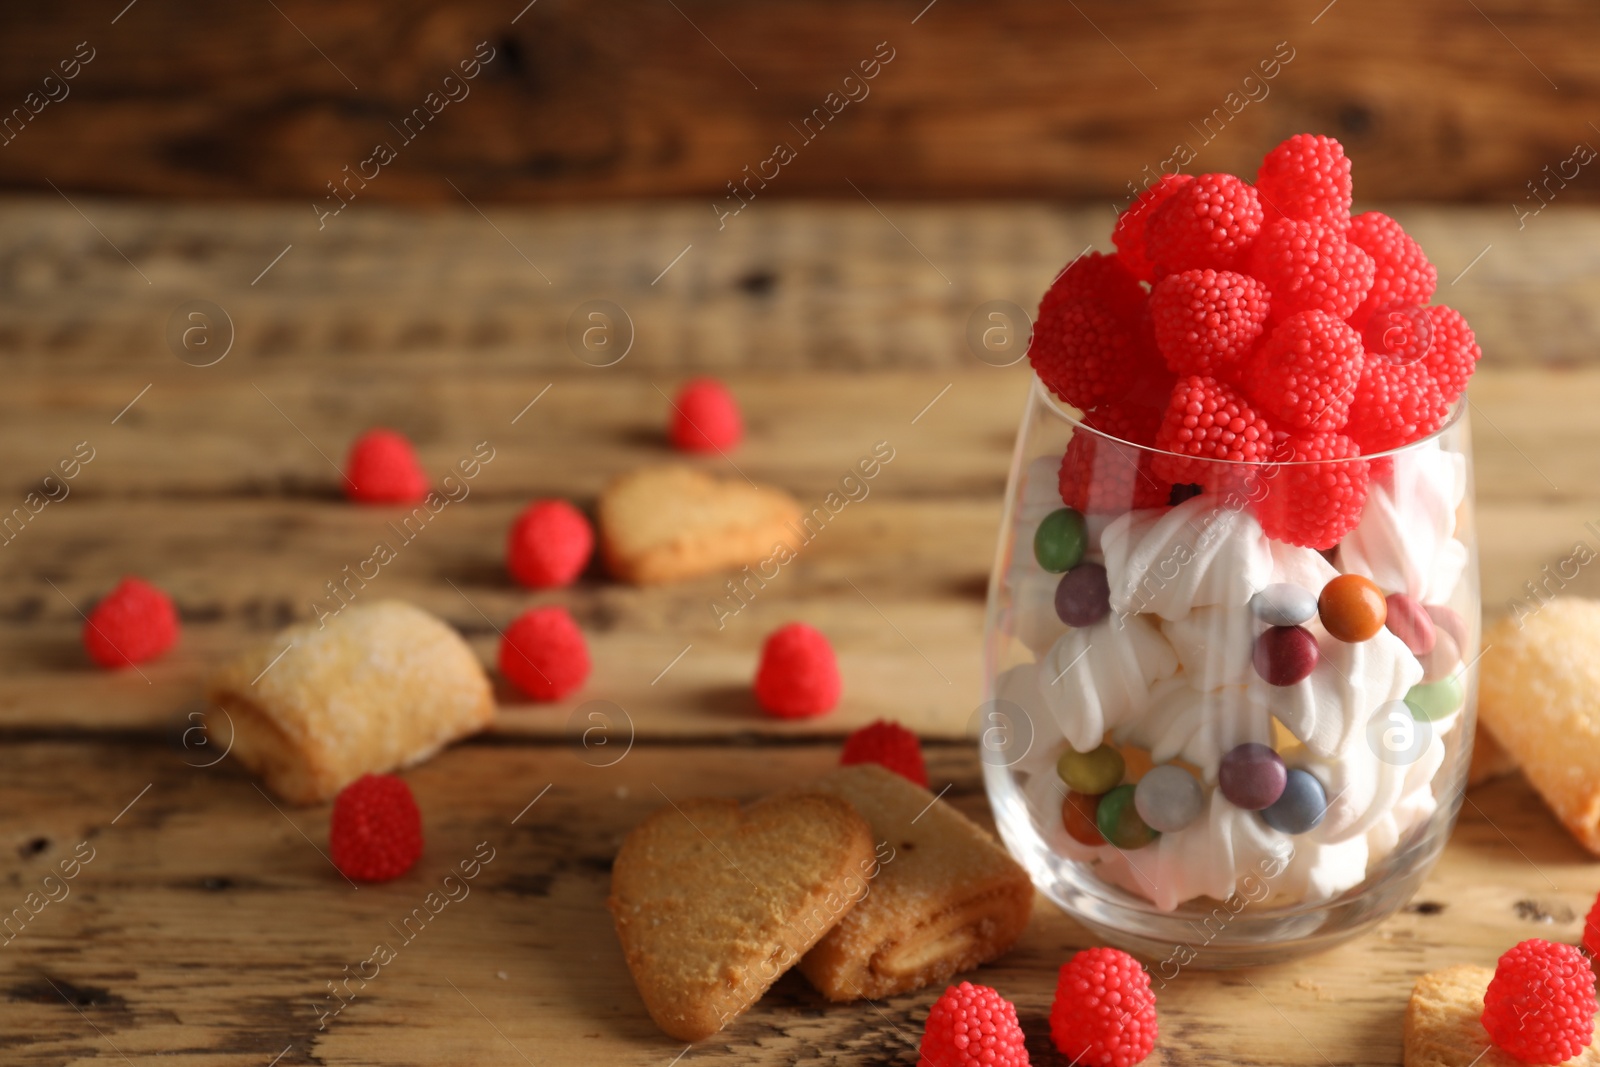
(1059, 542)
(1119, 822)
(1092, 773)
(1432, 701)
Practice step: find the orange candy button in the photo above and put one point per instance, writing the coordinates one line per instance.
(1352, 608)
(1078, 815)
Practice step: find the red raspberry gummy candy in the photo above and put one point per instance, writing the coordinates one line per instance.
(1394, 404)
(1208, 420)
(543, 654)
(549, 544)
(1100, 475)
(1401, 271)
(705, 418)
(375, 833)
(1310, 266)
(1591, 929)
(1317, 497)
(1104, 1013)
(1453, 352)
(1208, 222)
(798, 676)
(1305, 375)
(1397, 333)
(1089, 352)
(1129, 233)
(887, 744)
(1206, 321)
(1540, 1004)
(972, 1026)
(1307, 177)
(1098, 277)
(132, 623)
(382, 468)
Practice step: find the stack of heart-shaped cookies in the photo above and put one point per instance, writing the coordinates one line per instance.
(869, 882)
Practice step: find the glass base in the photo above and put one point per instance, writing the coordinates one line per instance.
(1210, 934)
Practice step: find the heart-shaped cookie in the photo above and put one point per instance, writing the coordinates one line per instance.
(668, 523)
(713, 901)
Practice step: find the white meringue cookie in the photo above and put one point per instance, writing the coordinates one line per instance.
(1210, 857)
(1033, 610)
(1448, 565)
(1171, 672)
(1329, 709)
(1305, 567)
(1093, 678)
(1183, 723)
(1405, 526)
(1171, 560)
(1214, 644)
(1378, 798)
(1319, 871)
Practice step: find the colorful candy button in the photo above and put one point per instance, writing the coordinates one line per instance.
(1078, 815)
(1442, 659)
(1168, 798)
(1301, 807)
(1251, 776)
(1284, 604)
(1060, 540)
(1095, 772)
(1432, 701)
(1285, 655)
(1352, 608)
(1448, 620)
(1083, 596)
(1118, 820)
(1408, 620)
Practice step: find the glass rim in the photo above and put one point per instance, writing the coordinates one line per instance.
(1042, 392)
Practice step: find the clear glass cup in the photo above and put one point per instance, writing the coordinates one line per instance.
(1182, 704)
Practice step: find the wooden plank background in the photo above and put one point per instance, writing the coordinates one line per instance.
(206, 927)
(784, 288)
(1448, 99)
(217, 481)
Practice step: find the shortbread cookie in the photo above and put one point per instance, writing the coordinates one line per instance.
(1443, 1025)
(944, 899)
(669, 523)
(1539, 695)
(380, 686)
(712, 902)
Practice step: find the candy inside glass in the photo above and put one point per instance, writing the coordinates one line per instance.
(1212, 745)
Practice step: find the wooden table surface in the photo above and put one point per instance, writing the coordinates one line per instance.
(208, 923)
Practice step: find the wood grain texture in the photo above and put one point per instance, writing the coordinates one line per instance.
(209, 490)
(638, 98)
(785, 287)
(206, 927)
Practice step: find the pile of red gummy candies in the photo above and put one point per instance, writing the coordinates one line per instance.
(1275, 329)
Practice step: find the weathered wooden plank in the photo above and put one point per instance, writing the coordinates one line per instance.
(241, 570)
(206, 926)
(786, 287)
(635, 98)
(207, 489)
(269, 432)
